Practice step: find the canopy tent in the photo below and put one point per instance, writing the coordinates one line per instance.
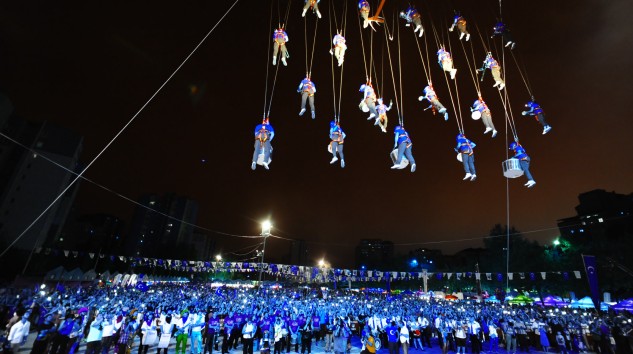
(604, 306)
(584, 303)
(55, 274)
(626, 305)
(552, 301)
(521, 300)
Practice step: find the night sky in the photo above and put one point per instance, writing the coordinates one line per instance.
(91, 66)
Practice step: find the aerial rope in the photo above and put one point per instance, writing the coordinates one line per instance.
(337, 104)
(83, 171)
(305, 32)
(397, 93)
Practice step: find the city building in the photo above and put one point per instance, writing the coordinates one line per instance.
(37, 162)
(163, 227)
(374, 254)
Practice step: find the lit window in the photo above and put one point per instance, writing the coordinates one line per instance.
(600, 220)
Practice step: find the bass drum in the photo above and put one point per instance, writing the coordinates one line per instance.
(476, 115)
(377, 343)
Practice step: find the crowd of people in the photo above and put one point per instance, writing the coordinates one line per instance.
(206, 318)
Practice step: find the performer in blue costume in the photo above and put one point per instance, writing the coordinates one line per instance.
(337, 137)
(480, 106)
(404, 144)
(431, 96)
(382, 119)
(369, 99)
(307, 89)
(524, 162)
(502, 31)
(280, 37)
(339, 48)
(445, 60)
(460, 22)
(411, 15)
(534, 109)
(264, 134)
(495, 69)
(466, 148)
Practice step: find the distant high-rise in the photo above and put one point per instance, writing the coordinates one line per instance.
(603, 226)
(163, 227)
(28, 182)
(98, 233)
(374, 253)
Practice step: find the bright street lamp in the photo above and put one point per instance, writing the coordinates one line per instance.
(266, 227)
(218, 258)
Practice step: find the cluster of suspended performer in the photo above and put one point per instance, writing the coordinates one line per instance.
(374, 104)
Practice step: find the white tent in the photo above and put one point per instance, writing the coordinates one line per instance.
(55, 274)
(73, 275)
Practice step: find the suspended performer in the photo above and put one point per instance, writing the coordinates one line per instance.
(524, 162)
(495, 69)
(264, 134)
(411, 15)
(382, 119)
(445, 60)
(337, 137)
(339, 48)
(466, 148)
(314, 5)
(534, 109)
(486, 117)
(369, 100)
(403, 142)
(280, 37)
(460, 22)
(307, 89)
(502, 31)
(429, 95)
(363, 9)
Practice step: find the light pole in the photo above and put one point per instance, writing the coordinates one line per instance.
(266, 227)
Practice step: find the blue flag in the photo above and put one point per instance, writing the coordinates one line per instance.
(592, 276)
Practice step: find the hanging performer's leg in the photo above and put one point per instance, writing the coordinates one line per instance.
(371, 104)
(496, 75)
(486, 117)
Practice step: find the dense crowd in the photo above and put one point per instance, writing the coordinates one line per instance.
(280, 320)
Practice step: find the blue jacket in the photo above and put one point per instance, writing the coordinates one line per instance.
(490, 63)
(519, 152)
(443, 54)
(401, 136)
(533, 108)
(280, 35)
(464, 145)
(337, 134)
(480, 106)
(307, 85)
(264, 132)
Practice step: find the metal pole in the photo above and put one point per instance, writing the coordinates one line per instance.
(261, 263)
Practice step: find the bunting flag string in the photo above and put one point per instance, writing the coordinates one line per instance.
(306, 273)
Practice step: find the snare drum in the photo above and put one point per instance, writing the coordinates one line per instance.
(512, 168)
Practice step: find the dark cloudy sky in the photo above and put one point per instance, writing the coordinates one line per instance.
(91, 66)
